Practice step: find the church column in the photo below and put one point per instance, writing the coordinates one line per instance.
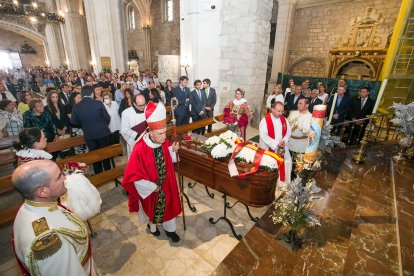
(147, 48)
(75, 34)
(55, 50)
(234, 53)
(105, 28)
(284, 29)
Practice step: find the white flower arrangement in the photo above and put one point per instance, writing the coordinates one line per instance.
(247, 155)
(213, 140)
(223, 146)
(221, 150)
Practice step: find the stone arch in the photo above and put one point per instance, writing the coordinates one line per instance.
(24, 31)
(317, 60)
(344, 63)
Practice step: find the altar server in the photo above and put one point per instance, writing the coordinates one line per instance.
(275, 132)
(149, 176)
(300, 122)
(133, 122)
(48, 239)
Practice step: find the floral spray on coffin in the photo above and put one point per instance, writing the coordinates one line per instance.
(228, 144)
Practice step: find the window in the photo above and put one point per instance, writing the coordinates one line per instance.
(131, 18)
(168, 10)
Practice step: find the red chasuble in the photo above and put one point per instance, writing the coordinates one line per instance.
(271, 132)
(141, 166)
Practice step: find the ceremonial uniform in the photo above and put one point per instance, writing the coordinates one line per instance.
(272, 130)
(50, 240)
(300, 123)
(131, 119)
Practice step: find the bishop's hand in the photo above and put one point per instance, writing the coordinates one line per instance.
(175, 146)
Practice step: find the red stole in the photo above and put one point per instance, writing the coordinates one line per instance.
(271, 132)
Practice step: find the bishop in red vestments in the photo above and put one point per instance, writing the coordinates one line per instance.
(149, 176)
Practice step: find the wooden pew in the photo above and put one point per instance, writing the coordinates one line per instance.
(8, 157)
(8, 214)
(191, 126)
(63, 144)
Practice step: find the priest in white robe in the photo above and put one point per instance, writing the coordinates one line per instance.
(274, 136)
(300, 122)
(133, 122)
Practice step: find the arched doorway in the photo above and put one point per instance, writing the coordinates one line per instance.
(356, 70)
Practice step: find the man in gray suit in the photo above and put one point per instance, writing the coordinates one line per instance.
(198, 104)
(211, 100)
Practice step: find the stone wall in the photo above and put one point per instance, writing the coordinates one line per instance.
(165, 36)
(135, 38)
(244, 50)
(13, 41)
(319, 28)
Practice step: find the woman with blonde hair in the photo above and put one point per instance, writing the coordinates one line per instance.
(277, 95)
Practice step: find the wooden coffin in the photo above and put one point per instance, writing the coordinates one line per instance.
(254, 190)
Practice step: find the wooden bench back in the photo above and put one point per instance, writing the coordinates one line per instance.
(63, 144)
(93, 156)
(191, 126)
(7, 157)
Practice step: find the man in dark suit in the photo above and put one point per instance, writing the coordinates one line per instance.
(65, 94)
(359, 109)
(314, 100)
(182, 94)
(198, 104)
(146, 91)
(341, 108)
(293, 99)
(80, 80)
(211, 97)
(92, 117)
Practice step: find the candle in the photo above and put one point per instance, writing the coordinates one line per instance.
(318, 117)
(332, 108)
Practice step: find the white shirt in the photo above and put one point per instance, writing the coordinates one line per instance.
(278, 98)
(115, 123)
(130, 118)
(266, 142)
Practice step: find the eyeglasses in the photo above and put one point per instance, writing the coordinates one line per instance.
(141, 105)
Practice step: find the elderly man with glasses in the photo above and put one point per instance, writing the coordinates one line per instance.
(133, 122)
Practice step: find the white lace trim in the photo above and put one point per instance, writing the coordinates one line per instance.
(149, 143)
(34, 153)
(239, 102)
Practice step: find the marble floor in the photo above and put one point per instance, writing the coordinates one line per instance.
(367, 228)
(367, 223)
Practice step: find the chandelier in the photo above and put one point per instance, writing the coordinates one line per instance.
(30, 10)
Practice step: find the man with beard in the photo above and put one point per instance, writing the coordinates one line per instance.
(133, 122)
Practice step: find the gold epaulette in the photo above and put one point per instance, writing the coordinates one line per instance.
(46, 242)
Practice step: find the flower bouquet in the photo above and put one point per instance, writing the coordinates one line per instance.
(222, 146)
(405, 120)
(293, 210)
